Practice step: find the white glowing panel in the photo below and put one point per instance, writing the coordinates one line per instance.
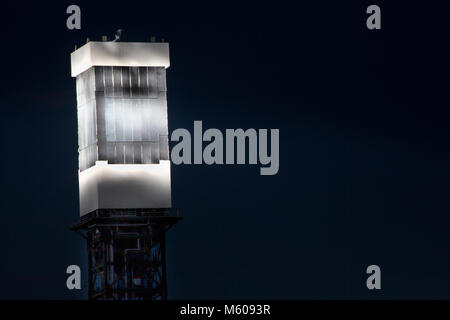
(125, 186)
(125, 54)
(123, 140)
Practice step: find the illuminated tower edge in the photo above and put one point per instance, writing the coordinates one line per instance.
(124, 167)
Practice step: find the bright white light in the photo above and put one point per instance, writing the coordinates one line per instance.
(124, 54)
(123, 186)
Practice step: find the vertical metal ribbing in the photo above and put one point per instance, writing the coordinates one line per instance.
(128, 117)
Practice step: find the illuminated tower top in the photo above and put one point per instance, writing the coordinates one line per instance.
(120, 54)
(122, 125)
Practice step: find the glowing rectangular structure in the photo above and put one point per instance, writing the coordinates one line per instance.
(120, 54)
(122, 125)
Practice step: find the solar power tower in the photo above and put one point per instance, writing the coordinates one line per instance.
(124, 167)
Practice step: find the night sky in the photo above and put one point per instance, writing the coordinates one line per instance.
(364, 160)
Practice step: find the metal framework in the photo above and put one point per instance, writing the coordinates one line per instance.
(127, 253)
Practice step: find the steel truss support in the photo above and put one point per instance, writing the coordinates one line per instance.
(127, 253)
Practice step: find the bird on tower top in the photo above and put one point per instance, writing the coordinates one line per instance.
(118, 35)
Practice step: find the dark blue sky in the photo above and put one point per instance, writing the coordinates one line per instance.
(364, 160)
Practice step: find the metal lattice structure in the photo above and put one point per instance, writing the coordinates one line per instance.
(127, 256)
